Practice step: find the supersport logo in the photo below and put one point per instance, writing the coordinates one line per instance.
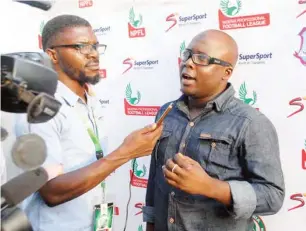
(297, 102)
(298, 197)
(139, 206)
(129, 62)
(304, 12)
(171, 18)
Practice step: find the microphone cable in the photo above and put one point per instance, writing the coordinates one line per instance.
(130, 196)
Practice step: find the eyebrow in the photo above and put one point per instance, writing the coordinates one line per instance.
(197, 51)
(86, 42)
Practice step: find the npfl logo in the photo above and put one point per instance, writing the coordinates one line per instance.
(85, 3)
(131, 101)
(229, 19)
(137, 174)
(134, 25)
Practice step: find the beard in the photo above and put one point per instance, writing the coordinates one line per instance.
(79, 76)
(82, 79)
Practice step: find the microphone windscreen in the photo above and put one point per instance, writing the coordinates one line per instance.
(29, 152)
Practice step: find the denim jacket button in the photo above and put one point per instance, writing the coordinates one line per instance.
(172, 193)
(171, 220)
(191, 124)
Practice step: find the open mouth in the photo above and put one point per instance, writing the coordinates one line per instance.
(187, 77)
(93, 66)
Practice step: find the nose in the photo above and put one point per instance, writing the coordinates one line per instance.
(93, 53)
(189, 63)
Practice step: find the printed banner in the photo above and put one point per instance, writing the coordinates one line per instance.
(140, 73)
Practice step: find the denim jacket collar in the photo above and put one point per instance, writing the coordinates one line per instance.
(219, 103)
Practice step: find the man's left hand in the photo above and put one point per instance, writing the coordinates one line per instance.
(187, 175)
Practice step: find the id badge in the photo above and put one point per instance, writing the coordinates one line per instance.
(103, 217)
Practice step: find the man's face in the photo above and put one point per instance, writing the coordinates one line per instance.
(202, 81)
(81, 67)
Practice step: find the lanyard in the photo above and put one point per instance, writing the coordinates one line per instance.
(95, 139)
(94, 136)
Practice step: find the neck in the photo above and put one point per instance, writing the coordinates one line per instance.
(75, 86)
(198, 103)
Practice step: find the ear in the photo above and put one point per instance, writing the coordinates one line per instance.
(53, 55)
(227, 73)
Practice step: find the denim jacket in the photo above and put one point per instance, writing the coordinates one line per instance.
(233, 142)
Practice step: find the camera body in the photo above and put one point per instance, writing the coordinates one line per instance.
(28, 85)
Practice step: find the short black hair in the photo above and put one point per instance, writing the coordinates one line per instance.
(59, 23)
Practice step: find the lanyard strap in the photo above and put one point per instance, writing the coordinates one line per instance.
(93, 136)
(99, 153)
(95, 139)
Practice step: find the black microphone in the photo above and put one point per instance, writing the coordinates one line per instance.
(15, 191)
(43, 5)
(4, 134)
(14, 219)
(19, 188)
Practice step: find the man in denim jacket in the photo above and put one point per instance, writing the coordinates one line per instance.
(217, 162)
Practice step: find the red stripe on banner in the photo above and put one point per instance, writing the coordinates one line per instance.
(304, 159)
(116, 211)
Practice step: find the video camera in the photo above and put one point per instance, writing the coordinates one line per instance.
(28, 84)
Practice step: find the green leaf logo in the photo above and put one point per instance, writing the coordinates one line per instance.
(230, 7)
(258, 224)
(182, 47)
(135, 23)
(128, 95)
(243, 95)
(42, 25)
(138, 172)
(140, 228)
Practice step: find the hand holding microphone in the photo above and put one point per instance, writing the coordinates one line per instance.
(141, 142)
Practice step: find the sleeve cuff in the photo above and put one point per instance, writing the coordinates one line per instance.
(148, 214)
(244, 199)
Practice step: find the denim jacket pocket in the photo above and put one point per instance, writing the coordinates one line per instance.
(215, 150)
(160, 151)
